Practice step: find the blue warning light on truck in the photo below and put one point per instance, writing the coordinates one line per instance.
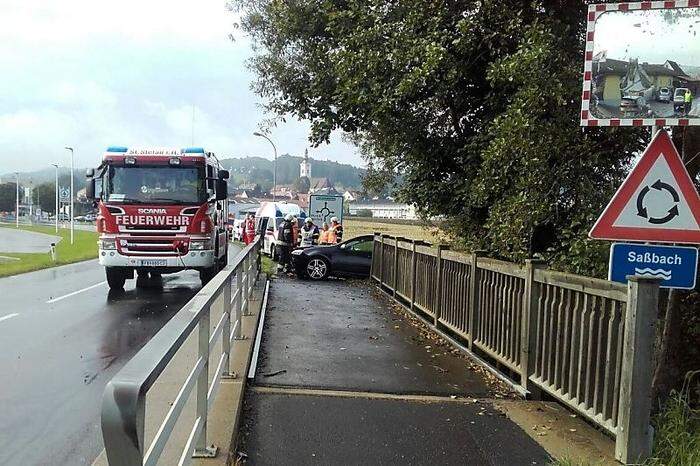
(676, 266)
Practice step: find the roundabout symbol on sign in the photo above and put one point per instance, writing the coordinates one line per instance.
(659, 186)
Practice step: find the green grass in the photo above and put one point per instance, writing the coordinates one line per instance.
(84, 248)
(677, 432)
(355, 227)
(267, 265)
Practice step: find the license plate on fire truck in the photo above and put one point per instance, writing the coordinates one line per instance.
(153, 262)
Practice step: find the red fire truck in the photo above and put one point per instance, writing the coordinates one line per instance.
(160, 211)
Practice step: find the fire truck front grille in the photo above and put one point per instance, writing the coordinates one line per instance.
(148, 246)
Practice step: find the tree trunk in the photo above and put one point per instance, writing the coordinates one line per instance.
(668, 369)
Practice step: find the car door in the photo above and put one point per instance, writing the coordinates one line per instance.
(354, 257)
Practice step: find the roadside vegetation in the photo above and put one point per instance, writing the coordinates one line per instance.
(84, 248)
(677, 430)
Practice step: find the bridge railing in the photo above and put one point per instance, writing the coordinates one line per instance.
(581, 340)
(124, 399)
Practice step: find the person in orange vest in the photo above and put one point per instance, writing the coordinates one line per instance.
(295, 231)
(336, 231)
(323, 235)
(249, 230)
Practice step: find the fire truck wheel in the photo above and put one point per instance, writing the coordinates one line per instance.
(116, 278)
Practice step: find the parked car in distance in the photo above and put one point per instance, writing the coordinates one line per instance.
(679, 99)
(350, 258)
(633, 105)
(664, 95)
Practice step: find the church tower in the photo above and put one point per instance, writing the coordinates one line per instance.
(305, 166)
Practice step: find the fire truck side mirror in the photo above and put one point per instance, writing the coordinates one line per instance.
(221, 190)
(90, 188)
(223, 174)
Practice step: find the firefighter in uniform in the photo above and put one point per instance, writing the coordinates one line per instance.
(336, 231)
(309, 233)
(285, 239)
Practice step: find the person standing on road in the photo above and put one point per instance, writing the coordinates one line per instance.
(323, 234)
(336, 229)
(688, 99)
(249, 229)
(309, 233)
(295, 231)
(285, 239)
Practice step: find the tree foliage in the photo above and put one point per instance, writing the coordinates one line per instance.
(474, 103)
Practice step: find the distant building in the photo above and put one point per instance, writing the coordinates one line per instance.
(305, 166)
(351, 196)
(384, 208)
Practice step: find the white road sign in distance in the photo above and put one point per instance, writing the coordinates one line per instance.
(64, 194)
(323, 207)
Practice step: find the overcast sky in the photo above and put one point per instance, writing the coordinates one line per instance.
(649, 36)
(92, 73)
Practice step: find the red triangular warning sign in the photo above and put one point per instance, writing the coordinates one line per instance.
(657, 202)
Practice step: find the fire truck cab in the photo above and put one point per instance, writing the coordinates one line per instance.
(161, 211)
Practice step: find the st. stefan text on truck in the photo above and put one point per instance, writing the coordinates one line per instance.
(160, 211)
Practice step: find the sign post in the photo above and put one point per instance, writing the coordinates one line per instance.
(323, 207)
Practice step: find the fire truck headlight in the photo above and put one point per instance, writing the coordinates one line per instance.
(200, 245)
(108, 244)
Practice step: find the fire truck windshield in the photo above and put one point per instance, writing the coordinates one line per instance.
(154, 185)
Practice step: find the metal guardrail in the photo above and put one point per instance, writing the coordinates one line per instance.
(124, 399)
(567, 335)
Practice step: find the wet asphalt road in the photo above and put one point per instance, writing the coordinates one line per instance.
(57, 356)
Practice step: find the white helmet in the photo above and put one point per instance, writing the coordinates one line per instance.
(289, 217)
(334, 219)
(309, 220)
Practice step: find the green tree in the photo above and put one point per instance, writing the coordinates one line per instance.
(475, 104)
(45, 197)
(8, 197)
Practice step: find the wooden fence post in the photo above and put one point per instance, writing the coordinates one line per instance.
(634, 435)
(528, 328)
(371, 266)
(381, 260)
(396, 265)
(438, 297)
(473, 298)
(413, 274)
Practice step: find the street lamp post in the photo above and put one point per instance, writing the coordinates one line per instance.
(56, 208)
(274, 170)
(72, 195)
(17, 211)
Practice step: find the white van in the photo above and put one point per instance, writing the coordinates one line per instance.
(269, 217)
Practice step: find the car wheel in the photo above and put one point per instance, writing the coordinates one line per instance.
(317, 268)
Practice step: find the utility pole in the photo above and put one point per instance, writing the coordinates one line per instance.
(56, 209)
(72, 196)
(274, 170)
(17, 187)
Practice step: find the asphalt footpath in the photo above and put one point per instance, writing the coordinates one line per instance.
(345, 379)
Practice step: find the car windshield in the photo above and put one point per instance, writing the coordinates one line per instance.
(680, 92)
(155, 184)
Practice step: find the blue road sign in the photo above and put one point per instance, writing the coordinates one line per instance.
(675, 265)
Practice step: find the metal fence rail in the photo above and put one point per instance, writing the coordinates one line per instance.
(124, 399)
(562, 334)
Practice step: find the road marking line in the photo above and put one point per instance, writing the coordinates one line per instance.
(287, 390)
(50, 301)
(8, 316)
